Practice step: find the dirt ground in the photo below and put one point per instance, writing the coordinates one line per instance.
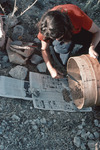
(22, 127)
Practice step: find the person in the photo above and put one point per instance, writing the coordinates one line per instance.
(2, 34)
(64, 26)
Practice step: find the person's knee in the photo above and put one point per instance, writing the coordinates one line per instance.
(60, 47)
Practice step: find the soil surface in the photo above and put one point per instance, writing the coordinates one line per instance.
(22, 127)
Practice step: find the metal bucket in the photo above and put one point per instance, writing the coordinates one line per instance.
(85, 88)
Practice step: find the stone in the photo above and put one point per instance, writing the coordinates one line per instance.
(18, 31)
(83, 147)
(96, 135)
(36, 59)
(11, 21)
(5, 58)
(19, 72)
(15, 117)
(0, 131)
(79, 132)
(36, 40)
(77, 141)
(5, 65)
(91, 144)
(51, 112)
(43, 120)
(17, 42)
(1, 147)
(96, 122)
(35, 127)
(41, 67)
(80, 126)
(84, 135)
(91, 136)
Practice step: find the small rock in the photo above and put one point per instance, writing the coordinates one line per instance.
(59, 113)
(83, 123)
(51, 112)
(43, 120)
(36, 40)
(88, 133)
(80, 126)
(96, 135)
(96, 122)
(42, 67)
(37, 121)
(83, 147)
(35, 127)
(54, 120)
(83, 120)
(5, 58)
(5, 65)
(91, 136)
(50, 123)
(1, 147)
(0, 130)
(91, 144)
(31, 108)
(1, 108)
(15, 117)
(19, 72)
(17, 32)
(84, 135)
(1, 53)
(36, 59)
(79, 132)
(77, 141)
(19, 43)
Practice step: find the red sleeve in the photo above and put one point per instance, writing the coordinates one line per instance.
(78, 18)
(86, 21)
(40, 36)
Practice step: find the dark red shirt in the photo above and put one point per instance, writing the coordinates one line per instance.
(78, 18)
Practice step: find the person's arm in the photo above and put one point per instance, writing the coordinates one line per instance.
(95, 40)
(46, 56)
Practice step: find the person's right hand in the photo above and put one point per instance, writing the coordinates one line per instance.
(56, 74)
(93, 53)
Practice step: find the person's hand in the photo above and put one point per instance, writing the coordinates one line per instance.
(56, 74)
(93, 53)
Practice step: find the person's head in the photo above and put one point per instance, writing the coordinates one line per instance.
(55, 24)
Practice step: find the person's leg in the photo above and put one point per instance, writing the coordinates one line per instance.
(83, 38)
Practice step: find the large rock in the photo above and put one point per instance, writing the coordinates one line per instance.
(19, 72)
